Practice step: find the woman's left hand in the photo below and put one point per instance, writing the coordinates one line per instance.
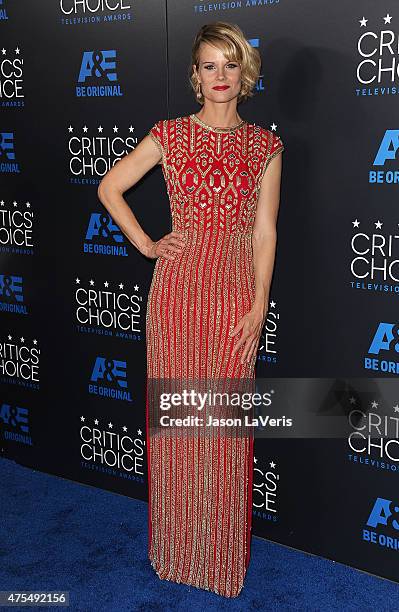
(251, 325)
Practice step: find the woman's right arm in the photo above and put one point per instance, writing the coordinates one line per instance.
(123, 175)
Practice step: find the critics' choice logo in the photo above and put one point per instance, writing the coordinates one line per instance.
(97, 75)
(383, 350)
(382, 526)
(265, 491)
(267, 346)
(11, 294)
(377, 69)
(385, 158)
(14, 422)
(375, 258)
(11, 81)
(109, 379)
(16, 228)
(113, 310)
(8, 162)
(203, 7)
(103, 237)
(112, 449)
(93, 153)
(78, 12)
(373, 438)
(19, 363)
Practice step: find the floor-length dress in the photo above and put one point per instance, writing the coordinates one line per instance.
(200, 486)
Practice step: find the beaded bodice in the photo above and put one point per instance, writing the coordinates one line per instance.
(213, 175)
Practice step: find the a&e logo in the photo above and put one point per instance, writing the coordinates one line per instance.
(103, 237)
(11, 294)
(387, 152)
(7, 153)
(3, 11)
(109, 379)
(15, 421)
(383, 514)
(255, 42)
(385, 340)
(97, 75)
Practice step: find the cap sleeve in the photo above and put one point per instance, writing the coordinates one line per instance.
(156, 133)
(277, 147)
(274, 146)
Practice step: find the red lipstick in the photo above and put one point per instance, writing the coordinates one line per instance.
(220, 87)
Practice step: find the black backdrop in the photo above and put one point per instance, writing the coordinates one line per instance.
(81, 84)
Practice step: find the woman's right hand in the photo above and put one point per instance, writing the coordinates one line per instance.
(167, 246)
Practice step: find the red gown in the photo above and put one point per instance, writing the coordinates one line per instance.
(200, 485)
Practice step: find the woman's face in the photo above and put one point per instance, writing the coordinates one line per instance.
(220, 79)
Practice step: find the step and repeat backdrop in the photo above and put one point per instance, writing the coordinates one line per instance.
(81, 83)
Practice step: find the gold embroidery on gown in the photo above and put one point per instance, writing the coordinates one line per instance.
(200, 484)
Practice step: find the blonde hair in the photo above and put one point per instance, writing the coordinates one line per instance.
(230, 39)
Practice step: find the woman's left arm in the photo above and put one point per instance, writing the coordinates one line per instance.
(264, 239)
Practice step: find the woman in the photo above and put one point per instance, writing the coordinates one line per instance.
(206, 306)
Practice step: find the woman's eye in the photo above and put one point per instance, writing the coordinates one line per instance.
(230, 65)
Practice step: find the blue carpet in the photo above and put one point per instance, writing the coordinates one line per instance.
(59, 535)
